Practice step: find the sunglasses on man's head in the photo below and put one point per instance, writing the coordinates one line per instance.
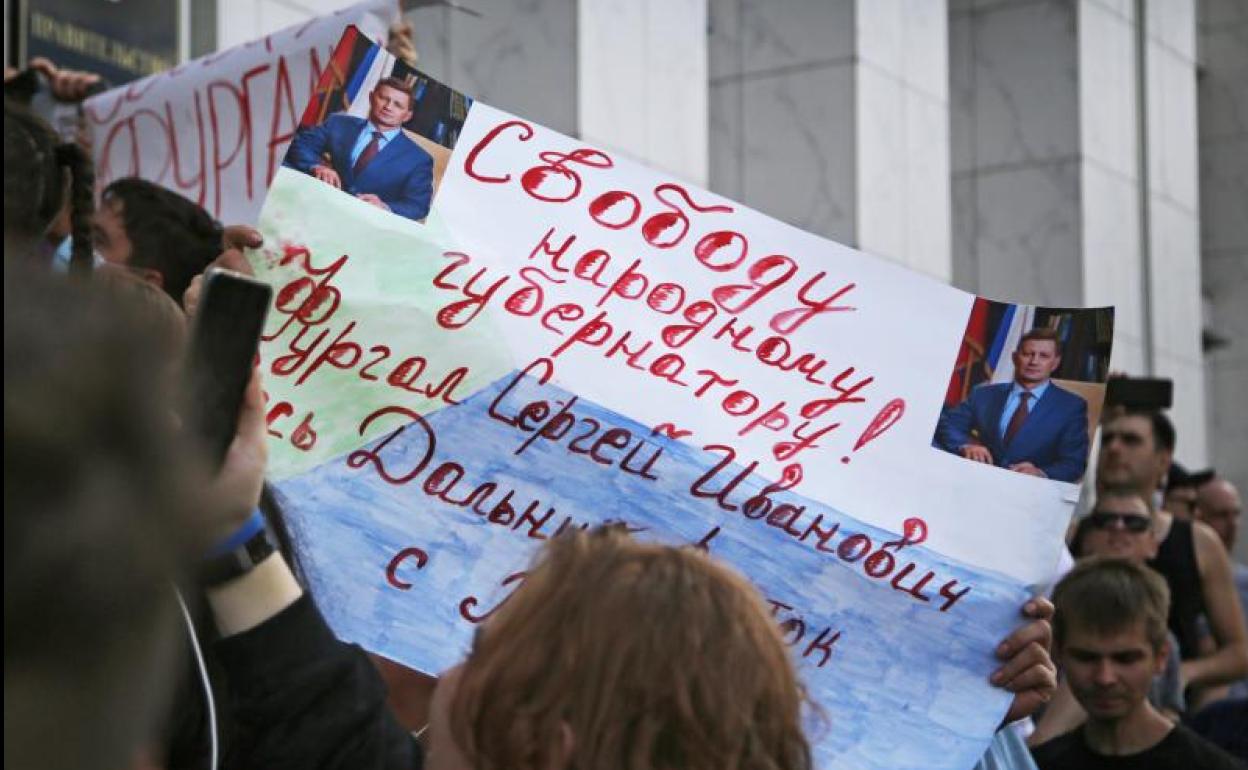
(1131, 522)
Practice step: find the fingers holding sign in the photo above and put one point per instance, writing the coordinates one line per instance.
(1028, 670)
(66, 85)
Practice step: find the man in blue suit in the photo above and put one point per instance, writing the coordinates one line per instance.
(370, 159)
(1029, 425)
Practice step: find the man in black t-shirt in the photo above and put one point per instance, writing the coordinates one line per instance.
(1110, 635)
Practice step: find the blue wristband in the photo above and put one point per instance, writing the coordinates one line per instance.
(249, 529)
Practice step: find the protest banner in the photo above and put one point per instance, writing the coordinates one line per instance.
(569, 338)
(215, 129)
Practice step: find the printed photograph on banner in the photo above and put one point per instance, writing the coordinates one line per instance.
(1027, 387)
(378, 129)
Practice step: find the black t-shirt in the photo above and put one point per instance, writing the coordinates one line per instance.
(1181, 749)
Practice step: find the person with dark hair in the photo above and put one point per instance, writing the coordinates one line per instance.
(370, 159)
(1110, 635)
(155, 233)
(1030, 425)
(43, 175)
(1181, 486)
(1137, 447)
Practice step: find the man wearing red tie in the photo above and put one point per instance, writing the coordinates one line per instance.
(1029, 425)
(370, 159)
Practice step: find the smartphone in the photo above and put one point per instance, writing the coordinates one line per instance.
(224, 339)
(1139, 392)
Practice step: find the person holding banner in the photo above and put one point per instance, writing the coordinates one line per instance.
(615, 653)
(1031, 425)
(371, 159)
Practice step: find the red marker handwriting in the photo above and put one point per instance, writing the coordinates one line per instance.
(883, 420)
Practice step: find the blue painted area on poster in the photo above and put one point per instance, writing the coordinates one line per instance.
(904, 685)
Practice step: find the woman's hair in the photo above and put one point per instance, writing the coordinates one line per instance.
(654, 657)
(35, 162)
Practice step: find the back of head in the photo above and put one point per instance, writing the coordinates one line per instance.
(650, 656)
(95, 512)
(161, 319)
(1104, 596)
(36, 168)
(168, 233)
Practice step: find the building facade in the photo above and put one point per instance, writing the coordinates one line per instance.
(1056, 152)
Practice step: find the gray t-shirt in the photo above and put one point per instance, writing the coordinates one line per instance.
(1166, 691)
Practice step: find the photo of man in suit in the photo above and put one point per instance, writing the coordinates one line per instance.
(370, 159)
(1030, 425)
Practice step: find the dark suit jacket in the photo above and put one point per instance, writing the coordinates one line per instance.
(401, 174)
(1054, 438)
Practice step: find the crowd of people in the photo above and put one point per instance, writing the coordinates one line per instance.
(135, 637)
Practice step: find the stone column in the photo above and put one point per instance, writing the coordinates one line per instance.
(519, 57)
(1223, 110)
(1074, 177)
(641, 81)
(832, 115)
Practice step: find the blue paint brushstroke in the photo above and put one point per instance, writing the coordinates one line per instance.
(905, 687)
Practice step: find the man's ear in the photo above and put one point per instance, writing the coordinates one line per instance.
(1164, 459)
(148, 275)
(1163, 655)
(567, 747)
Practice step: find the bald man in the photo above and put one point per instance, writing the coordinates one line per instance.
(1218, 504)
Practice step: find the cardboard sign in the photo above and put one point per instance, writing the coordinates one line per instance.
(569, 338)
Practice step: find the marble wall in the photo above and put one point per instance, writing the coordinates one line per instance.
(1074, 173)
(642, 81)
(901, 109)
(1112, 215)
(1173, 218)
(239, 21)
(1223, 145)
(833, 116)
(518, 55)
(781, 121)
(1015, 150)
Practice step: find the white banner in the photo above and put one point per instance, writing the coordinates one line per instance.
(215, 129)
